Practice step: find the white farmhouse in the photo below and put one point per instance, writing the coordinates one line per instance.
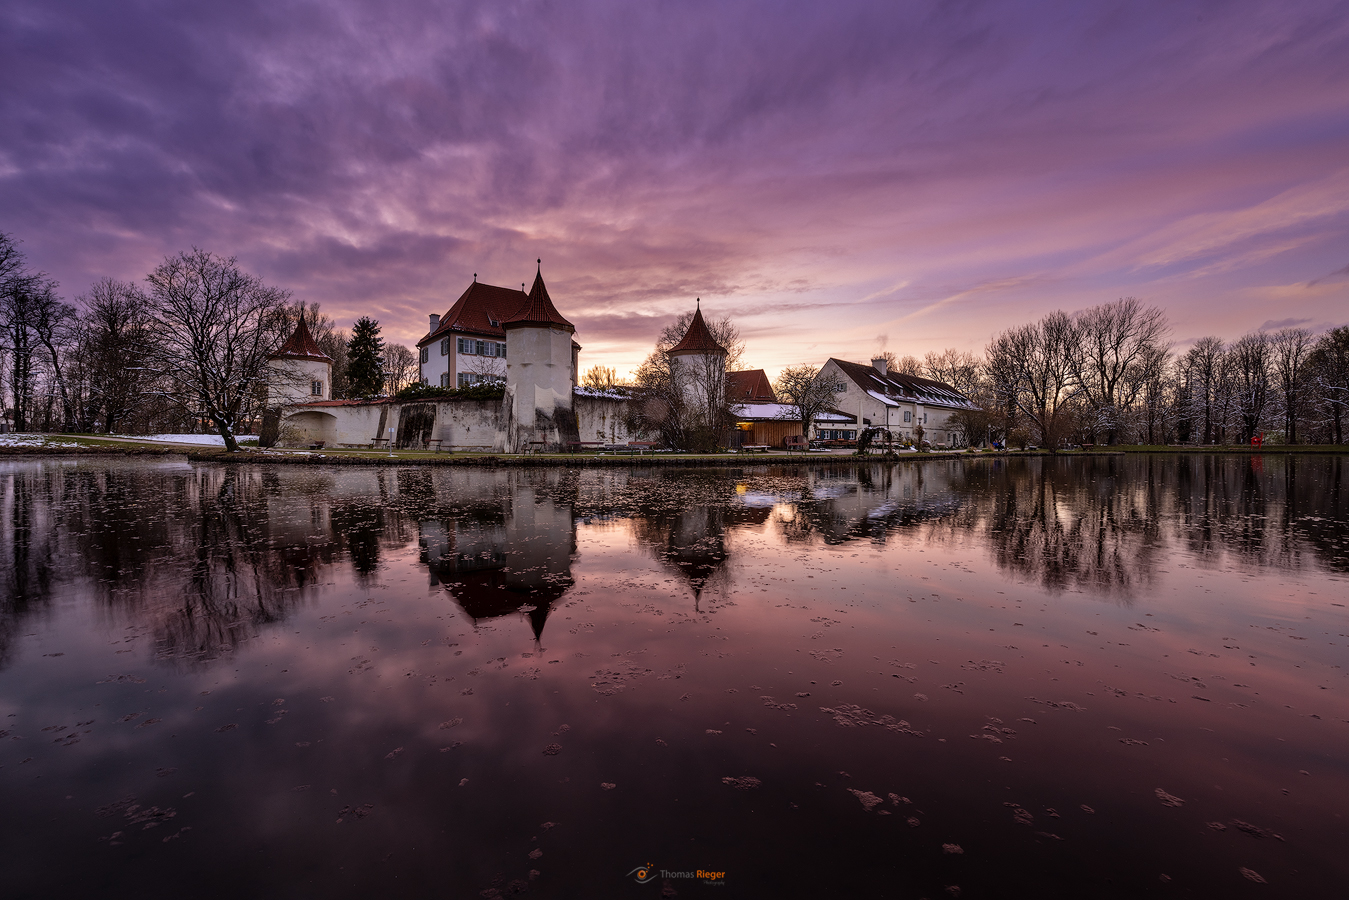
(896, 402)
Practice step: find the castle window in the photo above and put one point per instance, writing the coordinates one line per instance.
(841, 388)
(908, 416)
(445, 347)
(316, 388)
(470, 378)
(425, 354)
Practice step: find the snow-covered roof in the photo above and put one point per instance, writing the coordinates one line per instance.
(600, 393)
(888, 401)
(785, 411)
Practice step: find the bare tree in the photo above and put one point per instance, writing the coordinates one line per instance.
(1290, 349)
(217, 325)
(1114, 355)
(803, 388)
(115, 337)
(1250, 361)
(400, 367)
(960, 370)
(600, 378)
(659, 406)
(1039, 360)
(1204, 370)
(1330, 365)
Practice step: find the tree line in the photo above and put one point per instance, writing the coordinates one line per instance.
(185, 352)
(1109, 375)
(1104, 375)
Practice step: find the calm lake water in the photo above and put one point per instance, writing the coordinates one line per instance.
(1088, 677)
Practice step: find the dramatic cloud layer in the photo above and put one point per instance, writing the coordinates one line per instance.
(834, 175)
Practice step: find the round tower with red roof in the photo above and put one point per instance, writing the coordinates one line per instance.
(299, 372)
(699, 364)
(540, 374)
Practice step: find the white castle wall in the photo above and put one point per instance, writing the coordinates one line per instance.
(466, 425)
(289, 380)
(538, 388)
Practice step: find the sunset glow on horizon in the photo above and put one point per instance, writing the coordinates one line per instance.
(837, 178)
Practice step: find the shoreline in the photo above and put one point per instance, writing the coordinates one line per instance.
(737, 460)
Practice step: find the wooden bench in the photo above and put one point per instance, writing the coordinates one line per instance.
(378, 443)
(753, 448)
(317, 445)
(437, 441)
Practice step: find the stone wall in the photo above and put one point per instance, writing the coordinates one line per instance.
(470, 425)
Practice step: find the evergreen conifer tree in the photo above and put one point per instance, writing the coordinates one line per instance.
(365, 359)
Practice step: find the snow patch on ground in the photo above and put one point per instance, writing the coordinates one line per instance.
(31, 440)
(214, 440)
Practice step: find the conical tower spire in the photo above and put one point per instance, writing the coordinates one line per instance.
(698, 339)
(538, 308)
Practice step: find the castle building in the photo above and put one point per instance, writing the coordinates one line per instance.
(698, 363)
(541, 371)
(299, 372)
(467, 345)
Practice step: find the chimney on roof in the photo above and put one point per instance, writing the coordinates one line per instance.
(435, 322)
(879, 364)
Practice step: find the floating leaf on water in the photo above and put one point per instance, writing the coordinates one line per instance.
(1254, 831)
(1168, 799)
(1251, 875)
(607, 785)
(742, 783)
(868, 800)
(952, 848)
(552, 750)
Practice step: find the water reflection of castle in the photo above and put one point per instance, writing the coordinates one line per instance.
(511, 556)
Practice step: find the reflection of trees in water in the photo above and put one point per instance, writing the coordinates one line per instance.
(502, 542)
(1088, 522)
(28, 552)
(200, 557)
(1066, 523)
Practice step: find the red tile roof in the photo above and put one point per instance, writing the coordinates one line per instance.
(698, 339)
(749, 386)
(301, 345)
(538, 308)
(479, 310)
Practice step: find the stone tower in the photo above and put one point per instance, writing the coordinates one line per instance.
(540, 375)
(300, 372)
(699, 365)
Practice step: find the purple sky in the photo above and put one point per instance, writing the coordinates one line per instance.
(835, 175)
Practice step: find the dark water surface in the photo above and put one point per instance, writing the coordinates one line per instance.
(1090, 677)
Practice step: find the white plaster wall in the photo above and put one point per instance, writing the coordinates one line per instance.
(459, 424)
(288, 380)
(435, 365)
